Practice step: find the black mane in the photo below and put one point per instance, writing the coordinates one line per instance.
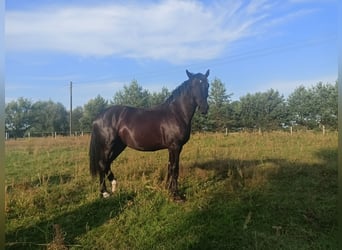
(181, 89)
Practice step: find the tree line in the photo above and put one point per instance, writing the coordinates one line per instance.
(305, 108)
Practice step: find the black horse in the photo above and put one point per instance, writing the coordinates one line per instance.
(165, 126)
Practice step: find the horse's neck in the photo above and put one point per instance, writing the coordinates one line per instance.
(184, 107)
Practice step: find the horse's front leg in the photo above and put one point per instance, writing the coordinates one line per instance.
(105, 171)
(173, 171)
(170, 169)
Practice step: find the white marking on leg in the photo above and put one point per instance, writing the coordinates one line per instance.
(105, 194)
(113, 185)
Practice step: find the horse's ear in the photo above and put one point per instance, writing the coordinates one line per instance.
(207, 73)
(190, 75)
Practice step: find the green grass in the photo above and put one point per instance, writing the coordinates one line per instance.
(244, 191)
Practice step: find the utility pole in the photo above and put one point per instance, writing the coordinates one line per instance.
(70, 118)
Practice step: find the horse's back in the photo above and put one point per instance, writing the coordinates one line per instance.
(142, 129)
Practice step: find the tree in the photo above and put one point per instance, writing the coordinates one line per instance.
(49, 117)
(219, 110)
(159, 97)
(324, 103)
(248, 110)
(200, 122)
(263, 110)
(310, 107)
(18, 117)
(91, 110)
(299, 103)
(235, 115)
(77, 115)
(132, 95)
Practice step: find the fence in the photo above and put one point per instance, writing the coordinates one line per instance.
(226, 131)
(9, 135)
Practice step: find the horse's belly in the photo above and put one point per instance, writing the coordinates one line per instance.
(146, 148)
(143, 140)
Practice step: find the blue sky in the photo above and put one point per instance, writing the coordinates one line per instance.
(101, 46)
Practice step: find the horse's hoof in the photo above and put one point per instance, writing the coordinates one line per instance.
(179, 198)
(105, 195)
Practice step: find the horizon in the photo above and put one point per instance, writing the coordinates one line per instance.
(67, 107)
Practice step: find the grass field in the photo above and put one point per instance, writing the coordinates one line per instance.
(244, 191)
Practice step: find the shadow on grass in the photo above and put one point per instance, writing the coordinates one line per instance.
(73, 224)
(295, 208)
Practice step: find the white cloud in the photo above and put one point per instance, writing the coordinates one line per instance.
(174, 31)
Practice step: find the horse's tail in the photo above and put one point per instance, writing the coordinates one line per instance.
(93, 153)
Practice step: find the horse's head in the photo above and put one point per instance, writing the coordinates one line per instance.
(200, 86)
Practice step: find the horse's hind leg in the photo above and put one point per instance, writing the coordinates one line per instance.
(103, 188)
(110, 176)
(117, 148)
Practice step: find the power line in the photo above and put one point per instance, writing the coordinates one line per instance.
(222, 61)
(253, 53)
(70, 118)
